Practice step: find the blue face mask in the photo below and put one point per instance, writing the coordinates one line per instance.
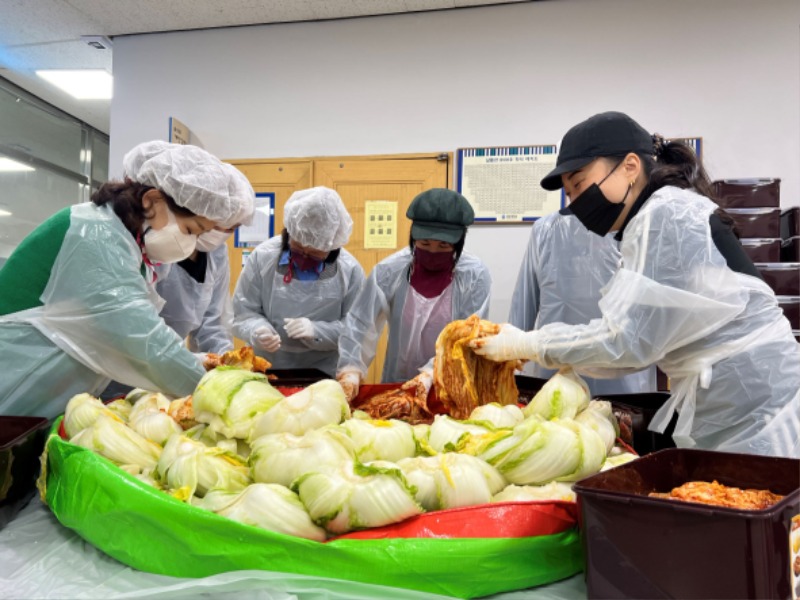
(595, 211)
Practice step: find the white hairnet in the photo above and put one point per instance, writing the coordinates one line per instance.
(194, 179)
(316, 217)
(132, 162)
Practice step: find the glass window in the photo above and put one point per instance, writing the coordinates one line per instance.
(31, 197)
(30, 129)
(47, 161)
(99, 159)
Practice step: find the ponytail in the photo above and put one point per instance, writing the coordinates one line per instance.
(677, 165)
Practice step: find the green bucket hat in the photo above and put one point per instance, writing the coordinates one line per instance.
(440, 214)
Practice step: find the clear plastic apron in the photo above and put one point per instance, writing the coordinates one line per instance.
(319, 300)
(693, 372)
(421, 323)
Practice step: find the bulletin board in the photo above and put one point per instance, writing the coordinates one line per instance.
(502, 182)
(263, 226)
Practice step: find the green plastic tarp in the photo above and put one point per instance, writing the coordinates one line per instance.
(149, 530)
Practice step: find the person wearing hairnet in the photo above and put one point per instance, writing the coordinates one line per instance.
(563, 270)
(686, 297)
(79, 305)
(418, 290)
(197, 298)
(297, 288)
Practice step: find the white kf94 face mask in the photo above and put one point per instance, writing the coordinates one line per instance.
(211, 240)
(169, 244)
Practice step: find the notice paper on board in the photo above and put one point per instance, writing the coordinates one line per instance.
(380, 224)
(261, 227)
(502, 183)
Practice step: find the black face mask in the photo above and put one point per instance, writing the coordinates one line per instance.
(593, 209)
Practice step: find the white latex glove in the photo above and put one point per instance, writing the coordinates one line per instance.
(350, 382)
(265, 338)
(299, 328)
(510, 344)
(421, 384)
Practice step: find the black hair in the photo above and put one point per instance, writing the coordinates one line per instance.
(458, 247)
(676, 164)
(125, 197)
(330, 259)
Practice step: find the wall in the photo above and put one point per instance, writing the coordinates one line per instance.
(726, 70)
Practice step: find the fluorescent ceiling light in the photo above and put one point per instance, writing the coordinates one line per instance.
(6, 165)
(88, 84)
(4, 213)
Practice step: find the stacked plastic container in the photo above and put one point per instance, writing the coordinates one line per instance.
(770, 237)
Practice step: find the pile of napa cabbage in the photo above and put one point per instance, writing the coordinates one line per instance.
(304, 465)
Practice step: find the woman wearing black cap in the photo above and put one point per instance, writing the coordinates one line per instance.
(419, 290)
(686, 297)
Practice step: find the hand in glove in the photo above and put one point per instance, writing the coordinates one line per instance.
(510, 344)
(421, 385)
(299, 328)
(350, 382)
(265, 338)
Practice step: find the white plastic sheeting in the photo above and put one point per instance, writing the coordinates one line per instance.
(39, 558)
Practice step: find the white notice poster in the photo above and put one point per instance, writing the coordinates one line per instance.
(263, 222)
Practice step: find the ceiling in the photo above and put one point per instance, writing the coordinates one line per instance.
(46, 34)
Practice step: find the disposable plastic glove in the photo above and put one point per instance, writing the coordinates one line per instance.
(350, 382)
(510, 344)
(299, 328)
(265, 338)
(421, 384)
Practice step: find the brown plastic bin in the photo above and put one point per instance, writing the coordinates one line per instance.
(641, 547)
(748, 193)
(21, 444)
(764, 250)
(791, 308)
(757, 222)
(782, 277)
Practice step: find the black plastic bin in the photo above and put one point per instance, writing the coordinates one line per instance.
(528, 387)
(296, 377)
(790, 249)
(790, 222)
(641, 547)
(21, 445)
(634, 413)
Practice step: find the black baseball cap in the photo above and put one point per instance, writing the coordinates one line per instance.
(605, 134)
(440, 214)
